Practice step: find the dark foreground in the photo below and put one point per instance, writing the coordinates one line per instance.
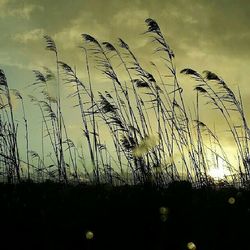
(53, 216)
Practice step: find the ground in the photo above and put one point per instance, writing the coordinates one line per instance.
(56, 216)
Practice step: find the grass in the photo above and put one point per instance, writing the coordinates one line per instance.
(143, 151)
(133, 194)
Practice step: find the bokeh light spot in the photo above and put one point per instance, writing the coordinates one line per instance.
(231, 200)
(163, 210)
(191, 246)
(163, 213)
(89, 235)
(164, 218)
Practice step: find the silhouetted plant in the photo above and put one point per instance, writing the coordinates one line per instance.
(143, 151)
(9, 133)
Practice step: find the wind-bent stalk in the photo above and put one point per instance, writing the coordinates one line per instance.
(51, 46)
(13, 128)
(19, 96)
(220, 99)
(154, 28)
(96, 163)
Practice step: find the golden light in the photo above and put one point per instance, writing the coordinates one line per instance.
(219, 172)
(163, 210)
(191, 246)
(146, 144)
(89, 235)
(231, 200)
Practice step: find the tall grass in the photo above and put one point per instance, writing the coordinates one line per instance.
(147, 117)
(9, 143)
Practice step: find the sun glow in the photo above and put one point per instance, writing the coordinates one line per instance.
(219, 172)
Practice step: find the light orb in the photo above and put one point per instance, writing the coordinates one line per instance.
(89, 235)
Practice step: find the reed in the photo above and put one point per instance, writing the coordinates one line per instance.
(147, 117)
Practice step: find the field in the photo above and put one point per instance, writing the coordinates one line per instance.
(140, 128)
(142, 176)
(53, 216)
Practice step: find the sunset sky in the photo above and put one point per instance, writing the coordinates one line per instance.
(205, 35)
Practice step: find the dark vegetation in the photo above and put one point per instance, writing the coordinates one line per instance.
(135, 196)
(144, 112)
(58, 216)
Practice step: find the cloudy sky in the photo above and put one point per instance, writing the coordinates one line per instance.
(205, 35)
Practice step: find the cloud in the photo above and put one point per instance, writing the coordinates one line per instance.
(70, 35)
(10, 8)
(3, 3)
(25, 11)
(29, 36)
(130, 18)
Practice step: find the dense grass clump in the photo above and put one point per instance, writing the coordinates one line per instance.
(155, 138)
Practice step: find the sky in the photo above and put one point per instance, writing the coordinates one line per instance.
(205, 35)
